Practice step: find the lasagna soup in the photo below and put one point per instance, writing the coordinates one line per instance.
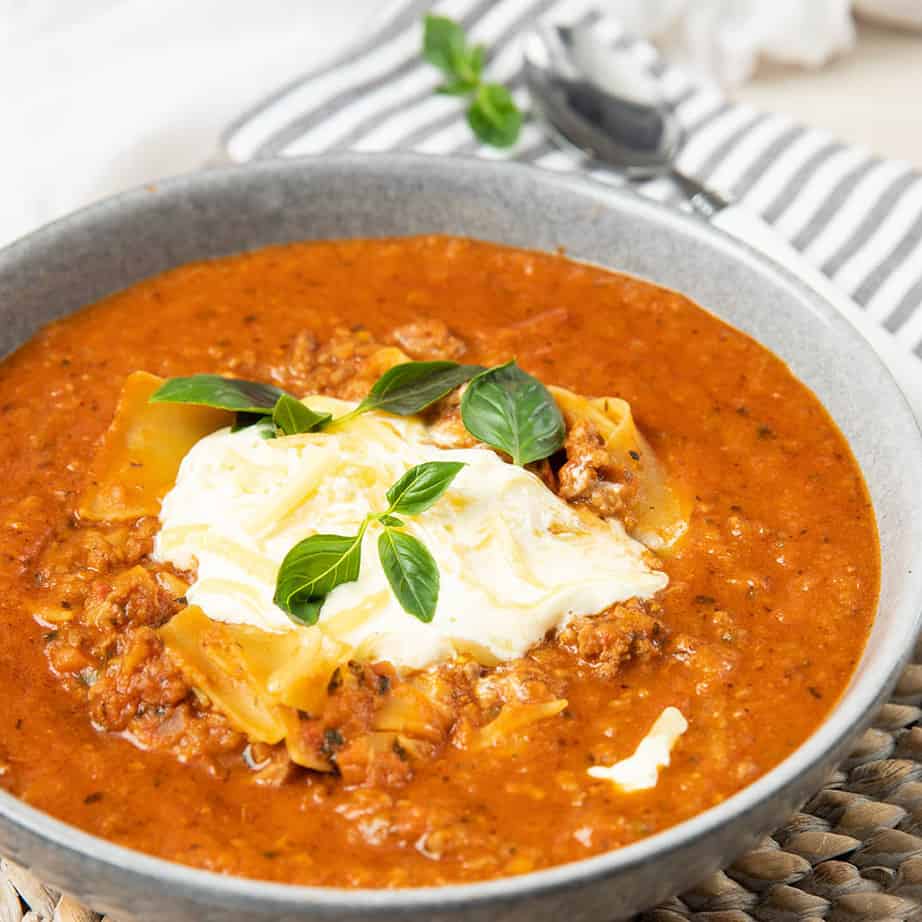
(391, 563)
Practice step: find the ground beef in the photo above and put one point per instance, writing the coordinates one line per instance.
(429, 339)
(626, 631)
(341, 367)
(520, 681)
(133, 597)
(105, 599)
(446, 428)
(140, 678)
(589, 477)
(143, 693)
(349, 363)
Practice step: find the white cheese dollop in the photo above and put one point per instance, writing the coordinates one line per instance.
(640, 771)
(515, 560)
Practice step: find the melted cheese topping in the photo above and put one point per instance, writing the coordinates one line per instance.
(640, 771)
(515, 560)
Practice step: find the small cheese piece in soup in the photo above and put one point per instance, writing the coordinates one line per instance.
(640, 771)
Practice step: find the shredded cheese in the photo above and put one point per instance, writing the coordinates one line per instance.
(640, 771)
(514, 559)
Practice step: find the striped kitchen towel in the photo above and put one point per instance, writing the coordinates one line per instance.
(854, 215)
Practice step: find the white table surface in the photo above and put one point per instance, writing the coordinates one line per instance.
(102, 95)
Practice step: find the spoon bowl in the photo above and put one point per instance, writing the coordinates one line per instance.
(601, 101)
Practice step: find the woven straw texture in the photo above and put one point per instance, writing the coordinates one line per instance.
(854, 854)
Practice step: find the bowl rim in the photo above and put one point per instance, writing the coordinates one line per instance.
(851, 710)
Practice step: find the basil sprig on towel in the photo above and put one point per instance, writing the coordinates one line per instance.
(314, 567)
(492, 113)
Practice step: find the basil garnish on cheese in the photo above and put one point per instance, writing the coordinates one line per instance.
(314, 567)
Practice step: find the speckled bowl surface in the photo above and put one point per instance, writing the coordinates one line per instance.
(120, 241)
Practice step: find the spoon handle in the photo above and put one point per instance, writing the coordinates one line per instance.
(705, 201)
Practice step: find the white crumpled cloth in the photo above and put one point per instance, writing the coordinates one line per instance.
(726, 39)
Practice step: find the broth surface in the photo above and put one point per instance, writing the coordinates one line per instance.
(773, 589)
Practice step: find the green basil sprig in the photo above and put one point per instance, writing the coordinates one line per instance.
(421, 486)
(494, 116)
(411, 571)
(513, 411)
(445, 47)
(254, 403)
(315, 566)
(404, 390)
(409, 388)
(291, 416)
(505, 407)
(492, 113)
(221, 393)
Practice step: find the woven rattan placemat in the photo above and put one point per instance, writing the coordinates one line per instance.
(854, 854)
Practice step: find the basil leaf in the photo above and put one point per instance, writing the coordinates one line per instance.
(510, 410)
(386, 519)
(222, 393)
(445, 47)
(494, 116)
(292, 416)
(411, 572)
(306, 611)
(408, 388)
(421, 486)
(312, 569)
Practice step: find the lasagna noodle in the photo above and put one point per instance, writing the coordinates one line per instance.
(141, 451)
(260, 681)
(659, 508)
(515, 718)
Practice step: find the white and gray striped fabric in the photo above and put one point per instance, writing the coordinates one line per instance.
(855, 216)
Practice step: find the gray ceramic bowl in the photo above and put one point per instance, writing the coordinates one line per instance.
(118, 242)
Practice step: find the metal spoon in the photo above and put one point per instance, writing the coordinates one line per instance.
(606, 105)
